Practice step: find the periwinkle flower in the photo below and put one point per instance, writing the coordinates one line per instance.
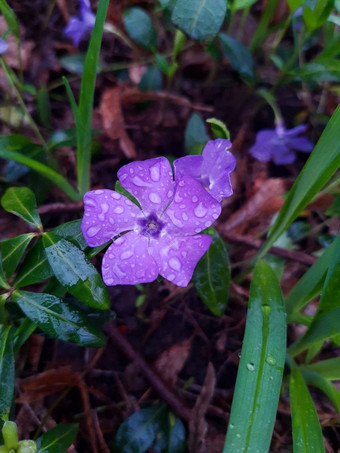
(3, 46)
(79, 26)
(212, 169)
(161, 238)
(280, 144)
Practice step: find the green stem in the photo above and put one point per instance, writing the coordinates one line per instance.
(262, 29)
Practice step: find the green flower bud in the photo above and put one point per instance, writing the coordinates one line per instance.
(3, 449)
(10, 435)
(27, 446)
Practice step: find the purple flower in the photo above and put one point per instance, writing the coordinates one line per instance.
(212, 169)
(279, 144)
(161, 238)
(3, 46)
(77, 27)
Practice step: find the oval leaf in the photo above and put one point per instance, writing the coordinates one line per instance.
(212, 275)
(7, 371)
(74, 271)
(21, 201)
(12, 251)
(195, 135)
(239, 57)
(260, 371)
(201, 19)
(140, 28)
(58, 439)
(59, 319)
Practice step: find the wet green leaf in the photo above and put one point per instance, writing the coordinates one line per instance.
(139, 27)
(7, 371)
(59, 319)
(195, 135)
(261, 366)
(319, 381)
(57, 439)
(212, 275)
(72, 232)
(307, 434)
(12, 250)
(21, 201)
(219, 129)
(3, 280)
(74, 271)
(329, 368)
(201, 19)
(239, 57)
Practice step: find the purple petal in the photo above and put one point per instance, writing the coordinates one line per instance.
(178, 257)
(284, 158)
(107, 213)
(150, 182)
(3, 46)
(301, 144)
(217, 165)
(192, 209)
(86, 13)
(128, 262)
(298, 130)
(188, 165)
(262, 152)
(76, 29)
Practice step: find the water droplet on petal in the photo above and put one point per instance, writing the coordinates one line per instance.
(194, 199)
(175, 264)
(139, 182)
(92, 231)
(200, 210)
(99, 192)
(118, 210)
(116, 195)
(170, 193)
(184, 216)
(181, 183)
(171, 277)
(89, 202)
(155, 198)
(155, 173)
(126, 255)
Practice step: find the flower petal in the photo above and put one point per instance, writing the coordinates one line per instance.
(284, 158)
(192, 209)
(107, 213)
(178, 257)
(128, 262)
(298, 130)
(301, 144)
(75, 30)
(3, 46)
(188, 165)
(150, 182)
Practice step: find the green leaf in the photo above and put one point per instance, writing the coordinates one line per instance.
(73, 63)
(151, 80)
(83, 126)
(57, 439)
(35, 267)
(307, 434)
(12, 251)
(74, 271)
(321, 165)
(22, 334)
(120, 189)
(212, 275)
(239, 57)
(317, 380)
(59, 319)
(260, 371)
(219, 129)
(242, 4)
(7, 371)
(334, 209)
(21, 201)
(10, 18)
(72, 232)
(44, 107)
(140, 28)
(43, 169)
(3, 280)
(316, 16)
(329, 369)
(195, 135)
(201, 19)
(152, 426)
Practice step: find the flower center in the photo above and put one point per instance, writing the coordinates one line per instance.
(151, 226)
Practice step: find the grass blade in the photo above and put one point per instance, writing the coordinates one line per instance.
(261, 366)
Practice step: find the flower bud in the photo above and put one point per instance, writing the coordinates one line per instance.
(10, 435)
(27, 446)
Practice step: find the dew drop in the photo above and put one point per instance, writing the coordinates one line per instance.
(118, 210)
(116, 195)
(126, 255)
(170, 193)
(270, 360)
(139, 182)
(155, 198)
(99, 192)
(155, 173)
(184, 216)
(194, 199)
(92, 231)
(181, 183)
(89, 202)
(171, 277)
(175, 264)
(200, 210)
(250, 366)
(231, 426)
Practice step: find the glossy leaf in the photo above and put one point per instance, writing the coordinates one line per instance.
(317, 380)
(10, 18)
(3, 280)
(57, 439)
(59, 319)
(260, 370)
(74, 271)
(22, 334)
(307, 434)
(314, 17)
(7, 371)
(12, 251)
(152, 426)
(239, 57)
(218, 128)
(329, 368)
(241, 4)
(195, 135)
(321, 165)
(139, 27)
(21, 201)
(212, 275)
(201, 19)
(35, 267)
(72, 232)
(84, 123)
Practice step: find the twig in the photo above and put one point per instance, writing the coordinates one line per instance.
(292, 255)
(56, 208)
(155, 381)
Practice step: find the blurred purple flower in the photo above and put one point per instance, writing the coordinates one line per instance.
(280, 144)
(3, 46)
(212, 169)
(161, 238)
(78, 27)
